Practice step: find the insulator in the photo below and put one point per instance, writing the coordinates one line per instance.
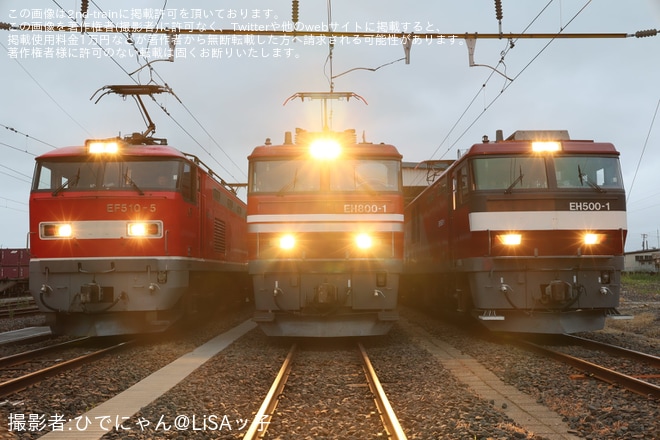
(294, 11)
(498, 10)
(646, 33)
(84, 5)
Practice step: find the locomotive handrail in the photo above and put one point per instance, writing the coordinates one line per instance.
(232, 187)
(112, 269)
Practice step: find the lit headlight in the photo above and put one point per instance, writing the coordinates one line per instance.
(107, 146)
(325, 149)
(510, 239)
(55, 230)
(363, 241)
(546, 146)
(590, 238)
(143, 229)
(287, 242)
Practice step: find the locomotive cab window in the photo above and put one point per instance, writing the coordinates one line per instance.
(189, 183)
(588, 171)
(286, 176)
(86, 175)
(509, 173)
(461, 185)
(365, 175)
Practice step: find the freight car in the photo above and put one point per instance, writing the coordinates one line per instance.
(14, 271)
(525, 235)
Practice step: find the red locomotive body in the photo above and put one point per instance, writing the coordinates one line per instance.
(130, 241)
(325, 230)
(525, 236)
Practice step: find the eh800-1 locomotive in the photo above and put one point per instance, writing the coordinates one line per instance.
(525, 234)
(130, 235)
(325, 230)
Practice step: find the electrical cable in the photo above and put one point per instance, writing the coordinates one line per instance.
(641, 156)
(517, 76)
(161, 106)
(27, 136)
(503, 54)
(46, 91)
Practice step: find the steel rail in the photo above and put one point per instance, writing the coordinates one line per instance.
(262, 418)
(26, 355)
(387, 414)
(605, 374)
(6, 312)
(613, 349)
(19, 383)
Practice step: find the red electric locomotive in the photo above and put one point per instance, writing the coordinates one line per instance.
(525, 234)
(325, 230)
(129, 236)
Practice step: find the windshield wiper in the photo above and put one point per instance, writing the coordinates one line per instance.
(515, 182)
(585, 178)
(290, 185)
(68, 184)
(133, 184)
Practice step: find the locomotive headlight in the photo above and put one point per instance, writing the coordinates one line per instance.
(287, 241)
(325, 149)
(56, 230)
(107, 146)
(591, 238)
(363, 241)
(143, 229)
(546, 146)
(510, 239)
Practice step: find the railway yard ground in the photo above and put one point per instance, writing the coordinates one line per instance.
(431, 399)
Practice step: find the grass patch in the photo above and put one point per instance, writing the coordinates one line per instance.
(644, 283)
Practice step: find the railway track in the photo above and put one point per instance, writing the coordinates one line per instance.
(267, 417)
(22, 365)
(586, 355)
(10, 308)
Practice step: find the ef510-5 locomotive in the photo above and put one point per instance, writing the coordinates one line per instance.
(130, 235)
(525, 234)
(325, 230)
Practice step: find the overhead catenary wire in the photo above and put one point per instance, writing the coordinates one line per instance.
(510, 45)
(160, 105)
(43, 89)
(641, 156)
(27, 136)
(508, 84)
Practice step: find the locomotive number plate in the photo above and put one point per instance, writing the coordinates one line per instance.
(589, 206)
(361, 208)
(130, 207)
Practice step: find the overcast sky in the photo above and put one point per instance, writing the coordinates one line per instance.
(232, 94)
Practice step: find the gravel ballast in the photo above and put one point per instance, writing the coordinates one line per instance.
(220, 398)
